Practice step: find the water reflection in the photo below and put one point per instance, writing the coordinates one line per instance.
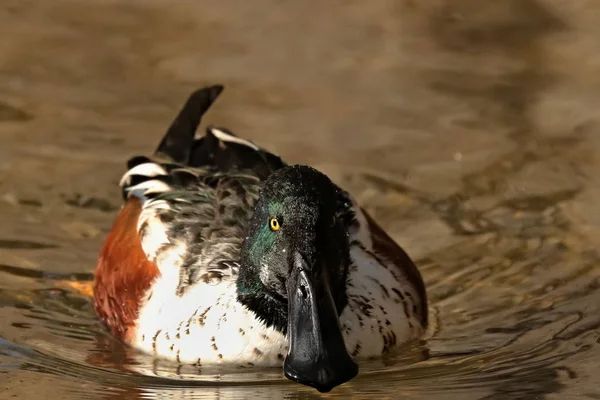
(467, 128)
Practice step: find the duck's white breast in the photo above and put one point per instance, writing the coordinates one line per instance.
(206, 325)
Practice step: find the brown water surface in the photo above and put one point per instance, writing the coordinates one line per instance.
(468, 128)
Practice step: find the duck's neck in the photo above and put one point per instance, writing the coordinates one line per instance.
(272, 311)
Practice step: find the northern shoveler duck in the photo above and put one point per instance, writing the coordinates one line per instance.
(223, 253)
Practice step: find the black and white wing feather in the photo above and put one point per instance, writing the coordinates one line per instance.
(197, 195)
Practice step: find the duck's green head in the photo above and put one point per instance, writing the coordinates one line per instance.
(293, 271)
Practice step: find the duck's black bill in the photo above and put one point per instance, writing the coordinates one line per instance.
(318, 355)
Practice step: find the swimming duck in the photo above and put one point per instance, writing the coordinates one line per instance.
(223, 253)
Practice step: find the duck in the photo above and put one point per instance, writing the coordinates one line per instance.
(222, 253)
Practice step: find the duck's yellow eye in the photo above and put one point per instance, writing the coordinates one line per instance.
(274, 224)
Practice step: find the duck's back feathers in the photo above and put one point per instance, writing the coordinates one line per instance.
(218, 148)
(223, 150)
(197, 193)
(199, 213)
(177, 142)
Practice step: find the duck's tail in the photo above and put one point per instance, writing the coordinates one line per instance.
(177, 142)
(219, 148)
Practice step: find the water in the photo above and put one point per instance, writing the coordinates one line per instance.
(469, 129)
